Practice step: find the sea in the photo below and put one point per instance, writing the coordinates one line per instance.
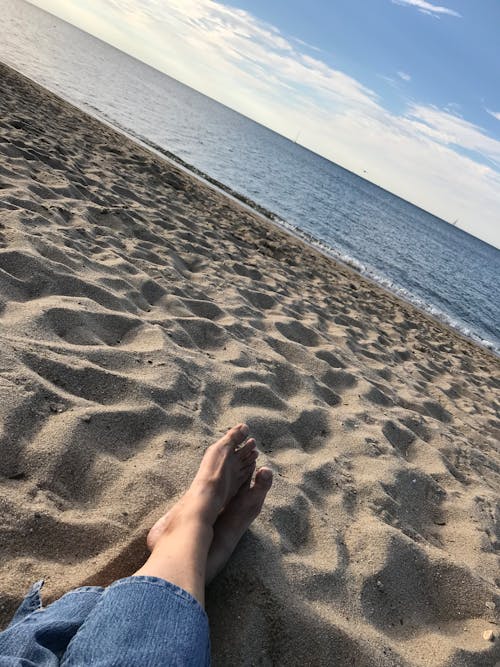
(435, 265)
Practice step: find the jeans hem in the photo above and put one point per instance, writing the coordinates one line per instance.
(160, 583)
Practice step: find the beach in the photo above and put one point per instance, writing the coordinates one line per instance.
(143, 313)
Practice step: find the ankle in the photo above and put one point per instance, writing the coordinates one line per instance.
(203, 499)
(186, 523)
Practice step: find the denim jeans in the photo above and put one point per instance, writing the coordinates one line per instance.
(136, 622)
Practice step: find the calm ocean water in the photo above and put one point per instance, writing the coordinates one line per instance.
(435, 265)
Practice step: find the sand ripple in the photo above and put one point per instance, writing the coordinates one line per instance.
(141, 314)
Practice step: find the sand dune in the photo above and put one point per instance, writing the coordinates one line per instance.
(143, 313)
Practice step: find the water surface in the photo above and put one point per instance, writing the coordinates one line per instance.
(437, 266)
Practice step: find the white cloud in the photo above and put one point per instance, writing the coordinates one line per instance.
(428, 8)
(404, 76)
(495, 114)
(249, 65)
(449, 129)
(307, 45)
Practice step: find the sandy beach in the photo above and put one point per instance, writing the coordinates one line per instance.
(142, 314)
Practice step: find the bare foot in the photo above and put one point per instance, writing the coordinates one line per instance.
(231, 524)
(235, 520)
(226, 465)
(181, 540)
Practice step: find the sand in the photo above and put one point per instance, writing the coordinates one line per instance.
(142, 314)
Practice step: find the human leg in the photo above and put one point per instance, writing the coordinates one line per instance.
(231, 524)
(180, 551)
(38, 636)
(156, 616)
(143, 618)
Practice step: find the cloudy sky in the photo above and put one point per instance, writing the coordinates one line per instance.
(403, 92)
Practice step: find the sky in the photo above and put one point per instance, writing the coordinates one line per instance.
(403, 92)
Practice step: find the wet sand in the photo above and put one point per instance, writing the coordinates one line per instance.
(143, 313)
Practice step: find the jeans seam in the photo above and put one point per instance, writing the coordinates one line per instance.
(183, 595)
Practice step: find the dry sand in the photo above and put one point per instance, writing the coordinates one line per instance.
(143, 313)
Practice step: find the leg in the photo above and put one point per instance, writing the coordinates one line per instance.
(231, 524)
(38, 636)
(180, 552)
(156, 616)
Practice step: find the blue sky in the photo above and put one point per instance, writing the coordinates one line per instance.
(404, 92)
(452, 61)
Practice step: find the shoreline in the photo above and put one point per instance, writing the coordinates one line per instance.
(311, 241)
(268, 216)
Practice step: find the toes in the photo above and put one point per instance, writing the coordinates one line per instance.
(246, 450)
(252, 496)
(263, 481)
(235, 436)
(250, 460)
(247, 473)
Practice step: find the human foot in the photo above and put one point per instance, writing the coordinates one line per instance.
(181, 540)
(232, 523)
(226, 465)
(235, 520)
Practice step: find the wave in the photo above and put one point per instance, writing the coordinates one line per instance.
(390, 285)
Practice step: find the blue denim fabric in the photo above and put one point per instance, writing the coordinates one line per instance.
(136, 622)
(38, 636)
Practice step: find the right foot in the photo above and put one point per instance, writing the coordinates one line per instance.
(235, 520)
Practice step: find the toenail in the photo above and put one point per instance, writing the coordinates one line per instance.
(244, 430)
(266, 475)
